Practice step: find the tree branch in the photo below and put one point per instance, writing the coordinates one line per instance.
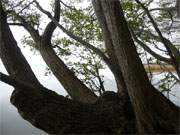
(18, 84)
(47, 35)
(33, 32)
(149, 50)
(168, 9)
(72, 8)
(12, 58)
(16, 24)
(76, 38)
(175, 61)
(174, 50)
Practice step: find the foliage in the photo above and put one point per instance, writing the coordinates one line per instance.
(83, 62)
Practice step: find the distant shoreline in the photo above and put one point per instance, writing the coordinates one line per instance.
(158, 68)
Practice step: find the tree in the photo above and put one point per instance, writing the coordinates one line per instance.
(137, 107)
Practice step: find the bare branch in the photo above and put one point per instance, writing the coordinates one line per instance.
(174, 50)
(30, 3)
(16, 24)
(34, 33)
(51, 26)
(11, 56)
(72, 8)
(174, 59)
(149, 50)
(18, 83)
(168, 9)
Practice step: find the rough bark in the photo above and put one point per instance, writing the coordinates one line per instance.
(178, 8)
(55, 114)
(141, 94)
(115, 68)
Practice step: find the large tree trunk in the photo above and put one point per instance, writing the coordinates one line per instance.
(147, 102)
(178, 8)
(115, 68)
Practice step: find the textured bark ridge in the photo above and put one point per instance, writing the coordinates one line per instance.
(56, 115)
(154, 112)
